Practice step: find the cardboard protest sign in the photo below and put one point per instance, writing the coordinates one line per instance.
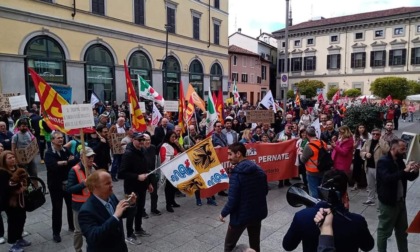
(116, 143)
(25, 155)
(4, 102)
(171, 106)
(257, 116)
(17, 102)
(77, 116)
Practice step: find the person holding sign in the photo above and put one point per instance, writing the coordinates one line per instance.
(22, 139)
(58, 161)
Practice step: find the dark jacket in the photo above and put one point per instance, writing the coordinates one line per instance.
(133, 163)
(388, 173)
(219, 139)
(5, 189)
(348, 235)
(158, 136)
(103, 231)
(56, 174)
(326, 136)
(247, 194)
(102, 151)
(6, 140)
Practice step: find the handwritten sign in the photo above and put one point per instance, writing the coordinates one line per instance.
(25, 155)
(116, 143)
(77, 116)
(4, 102)
(257, 116)
(142, 107)
(17, 102)
(171, 106)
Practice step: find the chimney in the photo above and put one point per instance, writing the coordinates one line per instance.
(239, 30)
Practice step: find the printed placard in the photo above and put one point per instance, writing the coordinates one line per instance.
(257, 116)
(25, 155)
(171, 106)
(116, 143)
(17, 102)
(142, 107)
(77, 116)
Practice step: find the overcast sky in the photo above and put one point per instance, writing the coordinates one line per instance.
(269, 15)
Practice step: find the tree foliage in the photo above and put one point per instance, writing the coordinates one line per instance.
(397, 87)
(353, 92)
(368, 114)
(331, 92)
(414, 87)
(308, 87)
(290, 94)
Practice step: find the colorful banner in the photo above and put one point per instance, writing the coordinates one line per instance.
(276, 159)
(196, 168)
(64, 90)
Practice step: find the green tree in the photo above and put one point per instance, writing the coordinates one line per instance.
(414, 87)
(331, 92)
(308, 87)
(353, 92)
(397, 87)
(368, 114)
(290, 94)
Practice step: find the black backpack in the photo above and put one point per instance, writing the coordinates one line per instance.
(325, 162)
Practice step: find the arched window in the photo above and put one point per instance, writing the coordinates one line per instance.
(46, 57)
(216, 77)
(139, 64)
(170, 91)
(196, 77)
(100, 74)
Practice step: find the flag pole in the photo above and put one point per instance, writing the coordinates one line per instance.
(82, 140)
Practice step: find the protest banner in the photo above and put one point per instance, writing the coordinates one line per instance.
(276, 159)
(116, 143)
(257, 116)
(64, 90)
(25, 155)
(17, 102)
(171, 106)
(77, 116)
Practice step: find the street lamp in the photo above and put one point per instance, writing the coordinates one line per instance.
(165, 65)
(286, 53)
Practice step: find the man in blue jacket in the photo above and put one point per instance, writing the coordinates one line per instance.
(247, 203)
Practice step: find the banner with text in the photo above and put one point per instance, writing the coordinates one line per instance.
(276, 159)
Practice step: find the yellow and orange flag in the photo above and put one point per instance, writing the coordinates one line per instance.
(219, 106)
(51, 102)
(181, 107)
(297, 99)
(189, 112)
(196, 98)
(137, 119)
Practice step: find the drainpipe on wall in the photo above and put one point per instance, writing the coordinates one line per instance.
(209, 25)
(74, 9)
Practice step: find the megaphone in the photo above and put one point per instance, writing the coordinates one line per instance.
(297, 196)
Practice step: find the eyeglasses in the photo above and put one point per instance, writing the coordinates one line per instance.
(140, 140)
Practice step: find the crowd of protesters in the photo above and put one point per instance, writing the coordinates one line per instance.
(354, 153)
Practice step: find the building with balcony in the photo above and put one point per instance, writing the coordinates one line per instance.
(352, 51)
(84, 44)
(250, 71)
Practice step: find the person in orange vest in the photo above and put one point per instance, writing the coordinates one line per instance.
(76, 185)
(309, 157)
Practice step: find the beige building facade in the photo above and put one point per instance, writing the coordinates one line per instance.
(83, 44)
(352, 51)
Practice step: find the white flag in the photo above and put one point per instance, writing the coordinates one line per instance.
(317, 127)
(268, 101)
(93, 99)
(156, 115)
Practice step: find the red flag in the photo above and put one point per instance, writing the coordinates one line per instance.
(336, 96)
(181, 107)
(388, 100)
(320, 97)
(219, 105)
(137, 121)
(190, 109)
(364, 100)
(51, 103)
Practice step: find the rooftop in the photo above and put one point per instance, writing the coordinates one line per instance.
(240, 50)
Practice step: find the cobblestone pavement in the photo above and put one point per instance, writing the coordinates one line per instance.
(195, 228)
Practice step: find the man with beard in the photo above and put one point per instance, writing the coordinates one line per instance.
(391, 177)
(330, 134)
(389, 134)
(135, 180)
(247, 189)
(189, 140)
(231, 135)
(22, 139)
(217, 137)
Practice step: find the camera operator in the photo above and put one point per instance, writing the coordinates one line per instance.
(351, 232)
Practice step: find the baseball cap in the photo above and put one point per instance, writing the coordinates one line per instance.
(138, 135)
(88, 152)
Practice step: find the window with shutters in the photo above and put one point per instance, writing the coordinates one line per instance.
(264, 72)
(397, 57)
(377, 58)
(358, 60)
(333, 61)
(98, 7)
(139, 12)
(309, 63)
(235, 60)
(170, 18)
(196, 28)
(258, 79)
(244, 78)
(296, 64)
(415, 56)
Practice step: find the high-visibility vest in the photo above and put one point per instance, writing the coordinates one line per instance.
(85, 192)
(311, 164)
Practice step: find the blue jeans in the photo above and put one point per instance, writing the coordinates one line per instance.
(115, 164)
(313, 182)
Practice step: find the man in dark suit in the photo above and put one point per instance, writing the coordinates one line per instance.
(160, 132)
(100, 218)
